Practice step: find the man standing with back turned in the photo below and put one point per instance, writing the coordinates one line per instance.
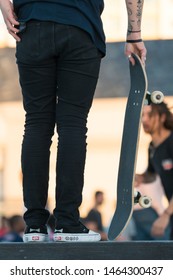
(60, 44)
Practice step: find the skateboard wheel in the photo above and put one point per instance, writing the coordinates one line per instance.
(157, 97)
(147, 100)
(137, 196)
(145, 201)
(135, 193)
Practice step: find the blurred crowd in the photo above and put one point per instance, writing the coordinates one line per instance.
(12, 228)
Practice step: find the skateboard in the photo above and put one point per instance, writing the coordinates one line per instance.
(126, 195)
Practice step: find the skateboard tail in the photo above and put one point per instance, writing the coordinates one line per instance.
(121, 222)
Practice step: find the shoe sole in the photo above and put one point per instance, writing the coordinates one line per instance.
(79, 237)
(35, 237)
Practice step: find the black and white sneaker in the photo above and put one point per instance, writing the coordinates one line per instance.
(35, 234)
(77, 233)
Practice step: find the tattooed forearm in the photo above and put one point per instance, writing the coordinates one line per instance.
(134, 43)
(134, 10)
(139, 12)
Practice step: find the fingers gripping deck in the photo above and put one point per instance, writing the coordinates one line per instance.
(129, 147)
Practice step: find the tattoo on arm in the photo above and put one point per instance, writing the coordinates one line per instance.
(134, 11)
(129, 11)
(139, 12)
(130, 14)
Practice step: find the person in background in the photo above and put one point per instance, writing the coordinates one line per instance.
(4, 227)
(16, 229)
(94, 215)
(60, 45)
(51, 226)
(157, 121)
(145, 217)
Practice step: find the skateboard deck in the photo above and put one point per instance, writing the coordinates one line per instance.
(129, 148)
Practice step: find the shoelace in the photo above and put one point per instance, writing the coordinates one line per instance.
(34, 229)
(58, 230)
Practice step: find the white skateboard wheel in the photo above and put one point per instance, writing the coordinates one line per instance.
(145, 201)
(157, 97)
(137, 196)
(147, 98)
(135, 193)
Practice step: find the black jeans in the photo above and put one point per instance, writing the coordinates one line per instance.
(58, 70)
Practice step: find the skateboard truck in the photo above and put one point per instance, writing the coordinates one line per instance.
(143, 200)
(155, 97)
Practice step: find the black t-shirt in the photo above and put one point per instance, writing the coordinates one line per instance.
(161, 162)
(85, 14)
